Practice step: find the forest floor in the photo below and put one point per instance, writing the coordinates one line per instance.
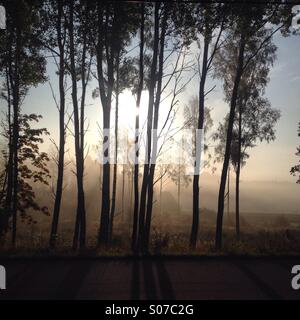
(156, 277)
(275, 242)
(261, 234)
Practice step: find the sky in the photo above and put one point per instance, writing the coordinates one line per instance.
(268, 162)
(272, 162)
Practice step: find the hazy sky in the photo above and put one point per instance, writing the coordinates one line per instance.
(273, 161)
(267, 161)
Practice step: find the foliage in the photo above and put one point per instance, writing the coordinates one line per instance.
(257, 126)
(296, 169)
(32, 164)
(22, 16)
(258, 117)
(191, 115)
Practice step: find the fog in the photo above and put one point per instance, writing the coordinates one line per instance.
(263, 204)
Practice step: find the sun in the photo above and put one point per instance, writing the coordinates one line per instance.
(128, 110)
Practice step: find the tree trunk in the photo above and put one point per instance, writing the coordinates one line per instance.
(137, 132)
(9, 166)
(105, 206)
(130, 181)
(85, 74)
(200, 125)
(178, 190)
(103, 235)
(79, 234)
(160, 195)
(220, 213)
(228, 193)
(61, 153)
(123, 190)
(155, 137)
(114, 186)
(15, 172)
(142, 211)
(237, 182)
(15, 142)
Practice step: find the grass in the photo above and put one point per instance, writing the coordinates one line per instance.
(259, 243)
(261, 234)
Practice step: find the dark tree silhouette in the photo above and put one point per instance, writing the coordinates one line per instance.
(115, 24)
(212, 19)
(249, 27)
(151, 88)
(254, 119)
(163, 30)
(150, 178)
(79, 69)
(137, 132)
(23, 66)
(55, 37)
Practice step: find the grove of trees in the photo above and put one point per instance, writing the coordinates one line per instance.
(154, 50)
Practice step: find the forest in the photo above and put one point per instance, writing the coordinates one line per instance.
(110, 143)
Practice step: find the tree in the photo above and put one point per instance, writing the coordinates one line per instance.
(55, 42)
(254, 119)
(115, 167)
(209, 20)
(151, 89)
(32, 169)
(23, 66)
(113, 29)
(79, 69)
(296, 169)
(251, 31)
(191, 116)
(124, 69)
(162, 29)
(126, 75)
(255, 123)
(137, 132)
(178, 174)
(157, 81)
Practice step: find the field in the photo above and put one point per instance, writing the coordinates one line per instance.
(261, 234)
